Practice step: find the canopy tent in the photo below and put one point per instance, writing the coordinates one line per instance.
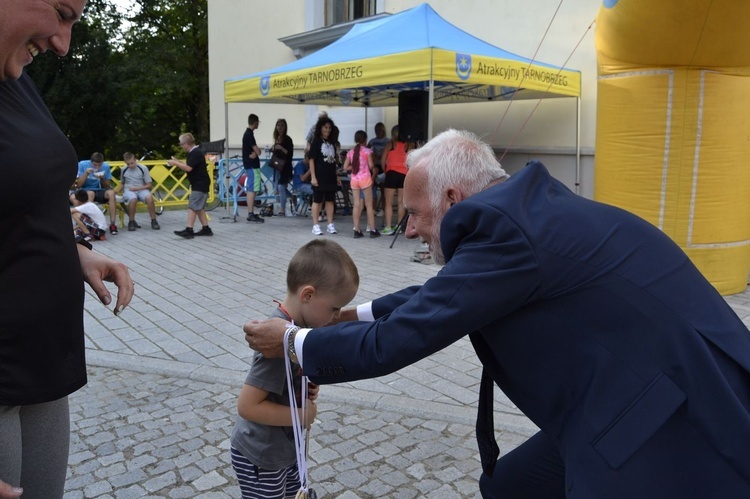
(413, 50)
(375, 60)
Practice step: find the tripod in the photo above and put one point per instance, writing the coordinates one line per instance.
(401, 226)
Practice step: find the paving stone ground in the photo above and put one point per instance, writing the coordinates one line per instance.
(155, 417)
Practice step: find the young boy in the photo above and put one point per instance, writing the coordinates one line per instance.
(321, 280)
(197, 173)
(89, 218)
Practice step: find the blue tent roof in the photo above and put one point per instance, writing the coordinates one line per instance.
(414, 31)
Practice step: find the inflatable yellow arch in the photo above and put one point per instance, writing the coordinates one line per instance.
(673, 125)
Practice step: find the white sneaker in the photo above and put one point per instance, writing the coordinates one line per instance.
(331, 229)
(316, 230)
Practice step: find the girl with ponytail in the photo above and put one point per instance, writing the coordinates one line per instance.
(360, 162)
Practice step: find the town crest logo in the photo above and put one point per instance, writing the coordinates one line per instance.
(463, 66)
(265, 85)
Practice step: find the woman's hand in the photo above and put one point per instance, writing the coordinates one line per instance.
(7, 491)
(98, 268)
(314, 182)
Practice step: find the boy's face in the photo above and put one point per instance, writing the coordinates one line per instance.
(319, 309)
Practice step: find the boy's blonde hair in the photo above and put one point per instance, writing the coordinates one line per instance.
(322, 264)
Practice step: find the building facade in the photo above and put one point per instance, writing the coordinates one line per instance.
(249, 36)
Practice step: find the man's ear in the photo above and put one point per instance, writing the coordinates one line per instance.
(453, 196)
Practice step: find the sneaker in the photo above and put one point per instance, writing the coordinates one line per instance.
(316, 230)
(358, 234)
(374, 234)
(113, 229)
(252, 217)
(387, 231)
(132, 225)
(155, 224)
(205, 231)
(379, 213)
(331, 229)
(187, 233)
(281, 214)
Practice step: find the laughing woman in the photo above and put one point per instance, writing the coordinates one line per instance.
(42, 269)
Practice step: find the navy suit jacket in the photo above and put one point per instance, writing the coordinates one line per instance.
(591, 320)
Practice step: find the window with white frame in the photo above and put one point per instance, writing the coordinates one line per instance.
(339, 11)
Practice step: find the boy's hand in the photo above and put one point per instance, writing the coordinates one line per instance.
(312, 411)
(266, 337)
(312, 391)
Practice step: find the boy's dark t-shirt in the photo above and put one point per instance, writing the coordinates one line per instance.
(248, 141)
(268, 447)
(198, 177)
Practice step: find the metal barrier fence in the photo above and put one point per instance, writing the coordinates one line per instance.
(170, 186)
(231, 185)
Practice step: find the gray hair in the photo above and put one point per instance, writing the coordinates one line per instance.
(456, 159)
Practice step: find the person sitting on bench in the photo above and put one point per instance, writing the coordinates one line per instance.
(94, 177)
(135, 183)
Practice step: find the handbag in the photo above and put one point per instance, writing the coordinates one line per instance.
(278, 161)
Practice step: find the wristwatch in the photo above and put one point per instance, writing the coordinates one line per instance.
(292, 333)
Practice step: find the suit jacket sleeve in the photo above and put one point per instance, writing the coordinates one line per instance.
(387, 304)
(491, 271)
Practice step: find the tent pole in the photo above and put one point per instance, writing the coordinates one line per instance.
(366, 109)
(429, 109)
(578, 145)
(225, 176)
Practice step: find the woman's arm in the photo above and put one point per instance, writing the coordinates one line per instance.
(371, 164)
(384, 156)
(313, 178)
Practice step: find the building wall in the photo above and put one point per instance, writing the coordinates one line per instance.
(243, 39)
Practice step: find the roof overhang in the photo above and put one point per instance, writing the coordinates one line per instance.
(308, 42)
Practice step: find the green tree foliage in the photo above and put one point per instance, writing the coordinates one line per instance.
(82, 89)
(131, 81)
(165, 80)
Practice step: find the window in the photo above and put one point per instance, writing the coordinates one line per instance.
(339, 11)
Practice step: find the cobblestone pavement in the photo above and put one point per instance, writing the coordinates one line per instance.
(155, 417)
(148, 435)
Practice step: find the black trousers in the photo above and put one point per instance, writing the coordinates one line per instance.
(533, 470)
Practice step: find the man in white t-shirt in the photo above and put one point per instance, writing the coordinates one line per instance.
(88, 217)
(136, 186)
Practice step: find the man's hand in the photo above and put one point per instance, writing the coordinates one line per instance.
(266, 337)
(98, 268)
(8, 491)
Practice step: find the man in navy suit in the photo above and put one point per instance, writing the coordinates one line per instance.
(593, 322)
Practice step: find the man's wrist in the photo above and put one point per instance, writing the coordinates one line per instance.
(290, 334)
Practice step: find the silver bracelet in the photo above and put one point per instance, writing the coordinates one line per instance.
(291, 333)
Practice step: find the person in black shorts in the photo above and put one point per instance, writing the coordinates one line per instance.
(323, 164)
(200, 183)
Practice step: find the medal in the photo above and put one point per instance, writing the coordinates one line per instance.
(301, 431)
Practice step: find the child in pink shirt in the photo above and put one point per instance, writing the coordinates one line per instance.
(359, 161)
